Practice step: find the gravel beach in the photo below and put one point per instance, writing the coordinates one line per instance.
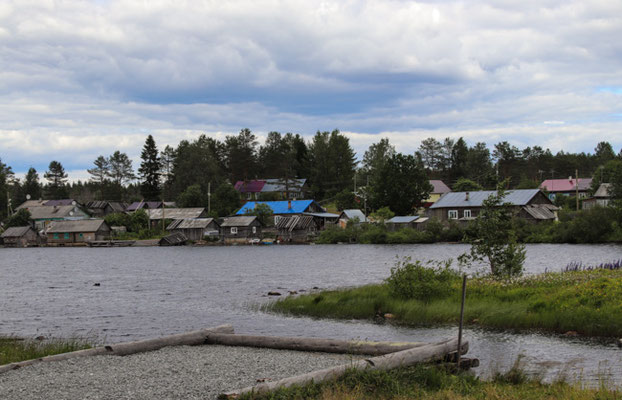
(184, 372)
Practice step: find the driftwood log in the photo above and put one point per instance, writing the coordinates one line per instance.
(310, 344)
(403, 358)
(121, 349)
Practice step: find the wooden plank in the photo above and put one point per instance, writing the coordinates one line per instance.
(312, 344)
(403, 358)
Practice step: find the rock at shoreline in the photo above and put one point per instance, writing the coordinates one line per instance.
(274, 294)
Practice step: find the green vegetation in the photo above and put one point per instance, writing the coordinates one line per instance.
(588, 302)
(14, 349)
(431, 382)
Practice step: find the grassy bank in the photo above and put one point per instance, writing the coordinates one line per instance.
(16, 349)
(587, 302)
(433, 382)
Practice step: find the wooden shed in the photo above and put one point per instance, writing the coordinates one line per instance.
(20, 236)
(297, 228)
(70, 232)
(195, 229)
(240, 228)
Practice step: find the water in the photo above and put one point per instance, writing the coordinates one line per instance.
(150, 292)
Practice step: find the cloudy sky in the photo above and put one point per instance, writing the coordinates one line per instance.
(84, 78)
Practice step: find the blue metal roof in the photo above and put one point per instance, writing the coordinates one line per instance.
(279, 207)
(519, 197)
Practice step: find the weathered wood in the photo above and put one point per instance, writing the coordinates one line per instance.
(190, 339)
(403, 358)
(193, 338)
(312, 344)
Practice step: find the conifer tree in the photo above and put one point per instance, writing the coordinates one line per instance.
(57, 180)
(149, 170)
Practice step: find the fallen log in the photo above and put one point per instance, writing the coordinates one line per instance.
(193, 338)
(312, 344)
(403, 358)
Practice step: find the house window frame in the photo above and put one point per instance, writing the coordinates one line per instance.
(254, 229)
(234, 230)
(249, 195)
(452, 214)
(467, 214)
(66, 236)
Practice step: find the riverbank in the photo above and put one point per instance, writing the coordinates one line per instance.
(580, 302)
(14, 349)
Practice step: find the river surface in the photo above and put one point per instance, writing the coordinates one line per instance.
(150, 292)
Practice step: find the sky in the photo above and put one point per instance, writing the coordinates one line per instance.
(79, 79)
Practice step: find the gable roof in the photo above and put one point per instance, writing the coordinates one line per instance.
(603, 191)
(144, 204)
(538, 212)
(354, 213)
(280, 207)
(518, 197)
(406, 219)
(32, 203)
(269, 185)
(196, 223)
(117, 206)
(47, 212)
(85, 225)
(176, 213)
(253, 186)
(295, 222)
(246, 220)
(15, 231)
(60, 202)
(439, 187)
(566, 185)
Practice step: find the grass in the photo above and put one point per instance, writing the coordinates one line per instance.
(588, 302)
(14, 349)
(434, 382)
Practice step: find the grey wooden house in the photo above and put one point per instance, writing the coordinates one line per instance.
(240, 228)
(71, 232)
(20, 236)
(195, 229)
(297, 228)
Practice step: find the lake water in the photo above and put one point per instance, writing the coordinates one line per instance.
(150, 292)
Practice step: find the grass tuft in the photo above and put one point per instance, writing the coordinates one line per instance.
(14, 349)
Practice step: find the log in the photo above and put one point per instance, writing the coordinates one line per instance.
(402, 358)
(193, 338)
(189, 339)
(311, 344)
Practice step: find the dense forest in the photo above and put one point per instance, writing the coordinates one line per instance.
(206, 167)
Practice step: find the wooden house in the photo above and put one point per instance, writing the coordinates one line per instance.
(291, 207)
(43, 216)
(195, 229)
(567, 187)
(144, 205)
(531, 204)
(439, 188)
(156, 215)
(100, 209)
(297, 228)
(601, 197)
(20, 236)
(351, 215)
(400, 222)
(239, 229)
(287, 189)
(71, 232)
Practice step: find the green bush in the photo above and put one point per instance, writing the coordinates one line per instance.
(410, 280)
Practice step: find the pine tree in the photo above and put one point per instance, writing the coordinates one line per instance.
(149, 170)
(31, 185)
(57, 180)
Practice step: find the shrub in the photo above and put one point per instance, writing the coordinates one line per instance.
(410, 280)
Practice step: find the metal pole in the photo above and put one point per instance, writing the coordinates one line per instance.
(464, 279)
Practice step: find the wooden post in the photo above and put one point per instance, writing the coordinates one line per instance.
(576, 174)
(464, 279)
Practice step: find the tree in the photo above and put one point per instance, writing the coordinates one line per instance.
(241, 155)
(331, 164)
(100, 172)
(430, 152)
(376, 157)
(31, 185)
(20, 218)
(149, 170)
(57, 180)
(346, 200)
(262, 211)
(382, 214)
(493, 240)
(167, 163)
(120, 168)
(402, 184)
(604, 152)
(466, 185)
(191, 197)
(479, 165)
(6, 175)
(225, 200)
(459, 155)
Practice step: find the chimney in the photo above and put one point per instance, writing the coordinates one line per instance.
(466, 196)
(289, 204)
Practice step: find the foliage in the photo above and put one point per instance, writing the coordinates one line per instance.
(20, 218)
(382, 214)
(225, 200)
(346, 200)
(101, 170)
(191, 197)
(13, 349)
(118, 219)
(401, 184)
(466, 185)
(413, 280)
(138, 220)
(120, 168)
(376, 157)
(493, 240)
(241, 153)
(57, 181)
(331, 164)
(262, 211)
(149, 170)
(586, 301)
(31, 185)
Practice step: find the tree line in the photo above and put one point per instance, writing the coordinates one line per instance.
(202, 172)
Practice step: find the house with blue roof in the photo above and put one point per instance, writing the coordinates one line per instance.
(292, 207)
(530, 204)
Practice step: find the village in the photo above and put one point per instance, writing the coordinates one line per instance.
(295, 219)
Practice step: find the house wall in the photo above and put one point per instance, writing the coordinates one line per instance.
(244, 232)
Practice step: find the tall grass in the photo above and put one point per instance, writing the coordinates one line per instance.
(13, 349)
(430, 382)
(586, 301)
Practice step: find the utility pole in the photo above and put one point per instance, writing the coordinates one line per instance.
(576, 185)
(366, 191)
(209, 197)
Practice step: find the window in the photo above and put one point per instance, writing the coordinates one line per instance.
(66, 235)
(56, 236)
(234, 230)
(81, 235)
(467, 214)
(452, 214)
(248, 195)
(254, 229)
